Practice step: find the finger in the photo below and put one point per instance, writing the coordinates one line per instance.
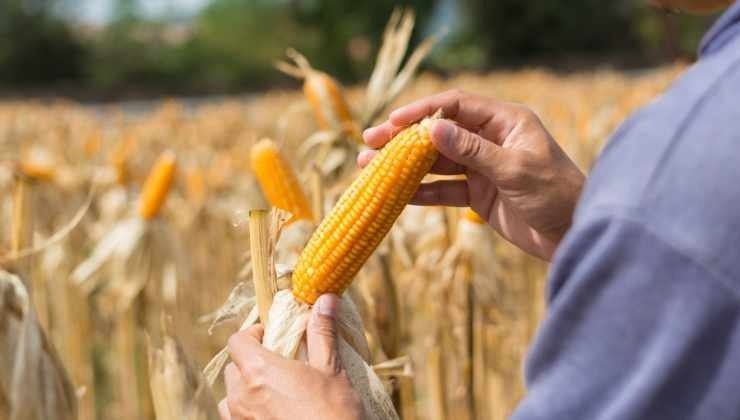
(466, 148)
(256, 331)
(321, 335)
(442, 166)
(223, 410)
(232, 378)
(376, 137)
(470, 111)
(235, 389)
(442, 193)
(246, 344)
(445, 166)
(365, 156)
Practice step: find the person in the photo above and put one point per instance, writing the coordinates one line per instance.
(644, 289)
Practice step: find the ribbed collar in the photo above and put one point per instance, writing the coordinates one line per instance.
(724, 29)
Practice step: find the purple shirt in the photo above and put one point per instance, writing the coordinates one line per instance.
(644, 292)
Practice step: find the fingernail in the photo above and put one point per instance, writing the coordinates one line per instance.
(327, 305)
(443, 132)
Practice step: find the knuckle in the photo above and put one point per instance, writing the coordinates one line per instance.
(524, 113)
(256, 386)
(235, 341)
(469, 146)
(517, 166)
(236, 405)
(256, 366)
(324, 326)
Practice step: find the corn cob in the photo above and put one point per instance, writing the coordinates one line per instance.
(325, 95)
(278, 181)
(157, 185)
(363, 215)
(471, 216)
(37, 171)
(92, 145)
(196, 185)
(119, 159)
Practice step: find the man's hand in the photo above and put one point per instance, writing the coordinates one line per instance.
(518, 178)
(262, 385)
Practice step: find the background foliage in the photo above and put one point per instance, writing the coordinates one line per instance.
(230, 45)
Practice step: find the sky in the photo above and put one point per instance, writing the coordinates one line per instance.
(98, 11)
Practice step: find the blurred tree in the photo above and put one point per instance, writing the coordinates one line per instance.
(518, 29)
(231, 45)
(236, 42)
(35, 46)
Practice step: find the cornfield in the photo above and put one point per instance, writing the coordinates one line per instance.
(134, 243)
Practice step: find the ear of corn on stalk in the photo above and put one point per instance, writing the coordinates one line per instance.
(325, 95)
(37, 171)
(278, 181)
(157, 185)
(119, 158)
(196, 185)
(363, 215)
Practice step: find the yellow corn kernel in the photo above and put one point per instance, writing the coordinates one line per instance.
(363, 215)
(157, 185)
(278, 180)
(472, 216)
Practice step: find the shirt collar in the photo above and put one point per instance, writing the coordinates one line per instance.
(723, 30)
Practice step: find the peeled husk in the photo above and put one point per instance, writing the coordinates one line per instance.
(285, 335)
(33, 383)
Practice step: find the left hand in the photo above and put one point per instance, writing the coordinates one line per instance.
(263, 385)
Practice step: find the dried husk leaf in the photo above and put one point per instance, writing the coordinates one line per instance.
(394, 368)
(240, 301)
(33, 383)
(216, 364)
(179, 391)
(285, 335)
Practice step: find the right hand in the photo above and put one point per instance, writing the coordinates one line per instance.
(518, 177)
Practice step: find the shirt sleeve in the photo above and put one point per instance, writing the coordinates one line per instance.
(635, 330)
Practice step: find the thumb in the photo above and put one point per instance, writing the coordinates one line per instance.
(321, 335)
(465, 147)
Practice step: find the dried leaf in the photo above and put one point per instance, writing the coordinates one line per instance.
(179, 391)
(33, 383)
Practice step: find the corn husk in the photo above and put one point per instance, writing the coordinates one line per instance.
(285, 335)
(179, 391)
(33, 383)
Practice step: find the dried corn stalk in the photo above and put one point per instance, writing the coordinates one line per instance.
(33, 382)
